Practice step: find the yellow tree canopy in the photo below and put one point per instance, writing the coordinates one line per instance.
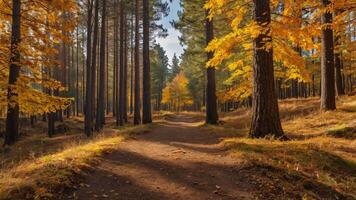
(176, 92)
(295, 29)
(45, 26)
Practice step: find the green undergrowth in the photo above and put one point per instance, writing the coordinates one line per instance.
(43, 177)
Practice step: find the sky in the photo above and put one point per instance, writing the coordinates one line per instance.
(171, 42)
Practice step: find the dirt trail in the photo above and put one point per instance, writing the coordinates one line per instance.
(177, 160)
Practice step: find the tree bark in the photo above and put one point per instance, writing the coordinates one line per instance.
(265, 116)
(88, 119)
(137, 101)
(77, 76)
(125, 69)
(338, 74)
(13, 110)
(211, 105)
(146, 83)
(132, 57)
(94, 55)
(100, 114)
(120, 116)
(327, 62)
(115, 67)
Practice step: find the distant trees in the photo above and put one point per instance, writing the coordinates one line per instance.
(159, 71)
(176, 94)
(175, 68)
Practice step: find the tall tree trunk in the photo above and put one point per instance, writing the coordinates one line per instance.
(100, 114)
(125, 70)
(83, 76)
(77, 76)
(88, 119)
(211, 104)
(115, 67)
(327, 61)
(13, 110)
(338, 75)
(132, 57)
(107, 67)
(94, 55)
(265, 117)
(120, 116)
(137, 109)
(146, 82)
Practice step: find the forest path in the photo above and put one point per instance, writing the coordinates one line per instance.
(176, 160)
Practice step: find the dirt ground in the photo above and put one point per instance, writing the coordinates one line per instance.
(177, 160)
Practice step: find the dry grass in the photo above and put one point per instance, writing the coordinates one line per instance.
(321, 153)
(40, 176)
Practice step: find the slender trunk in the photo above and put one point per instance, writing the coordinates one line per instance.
(327, 62)
(94, 56)
(137, 109)
(107, 67)
(120, 115)
(125, 40)
(100, 114)
(132, 58)
(77, 76)
(338, 75)
(88, 119)
(115, 64)
(211, 105)
(265, 117)
(13, 110)
(83, 76)
(146, 83)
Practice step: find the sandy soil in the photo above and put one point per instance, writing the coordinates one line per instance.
(177, 160)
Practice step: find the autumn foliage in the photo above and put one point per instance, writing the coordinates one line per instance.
(45, 27)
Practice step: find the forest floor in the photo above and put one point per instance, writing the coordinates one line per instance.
(181, 158)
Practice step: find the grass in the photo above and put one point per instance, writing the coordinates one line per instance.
(47, 175)
(319, 160)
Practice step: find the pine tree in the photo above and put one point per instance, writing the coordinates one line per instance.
(327, 61)
(211, 104)
(175, 68)
(89, 78)
(146, 78)
(265, 114)
(13, 111)
(100, 114)
(137, 103)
